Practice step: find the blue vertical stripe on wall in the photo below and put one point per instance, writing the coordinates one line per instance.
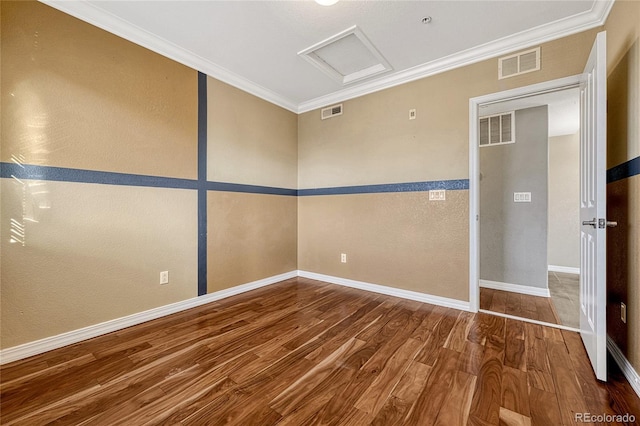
(202, 184)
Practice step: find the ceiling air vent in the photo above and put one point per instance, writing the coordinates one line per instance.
(519, 63)
(331, 111)
(348, 57)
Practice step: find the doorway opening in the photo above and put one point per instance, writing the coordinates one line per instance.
(529, 151)
(518, 254)
(593, 141)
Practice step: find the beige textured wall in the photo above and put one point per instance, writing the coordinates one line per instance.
(250, 237)
(623, 197)
(250, 141)
(80, 97)
(374, 142)
(623, 65)
(93, 255)
(564, 201)
(397, 239)
(75, 96)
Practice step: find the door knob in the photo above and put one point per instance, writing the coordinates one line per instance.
(600, 223)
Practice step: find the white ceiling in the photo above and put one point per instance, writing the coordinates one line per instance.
(253, 45)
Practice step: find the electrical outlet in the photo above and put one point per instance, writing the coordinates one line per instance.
(343, 257)
(623, 312)
(412, 114)
(164, 277)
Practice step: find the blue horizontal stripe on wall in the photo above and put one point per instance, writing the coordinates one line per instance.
(251, 189)
(388, 187)
(61, 174)
(624, 170)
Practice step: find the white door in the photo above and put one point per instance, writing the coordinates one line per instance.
(593, 207)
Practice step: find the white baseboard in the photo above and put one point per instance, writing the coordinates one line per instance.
(627, 369)
(54, 342)
(516, 288)
(564, 269)
(389, 291)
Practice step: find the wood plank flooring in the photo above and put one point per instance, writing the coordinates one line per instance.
(306, 352)
(519, 305)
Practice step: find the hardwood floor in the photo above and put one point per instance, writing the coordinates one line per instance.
(305, 352)
(520, 305)
(565, 296)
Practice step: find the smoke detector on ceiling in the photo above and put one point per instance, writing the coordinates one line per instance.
(347, 57)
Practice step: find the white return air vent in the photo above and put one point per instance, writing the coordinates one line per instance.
(498, 129)
(519, 63)
(331, 111)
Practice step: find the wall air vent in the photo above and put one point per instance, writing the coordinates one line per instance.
(498, 129)
(519, 63)
(347, 57)
(331, 111)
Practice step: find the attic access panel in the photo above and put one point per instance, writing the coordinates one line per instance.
(347, 57)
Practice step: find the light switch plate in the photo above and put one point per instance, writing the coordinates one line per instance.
(437, 195)
(521, 197)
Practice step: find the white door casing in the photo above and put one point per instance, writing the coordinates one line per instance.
(593, 156)
(474, 166)
(594, 285)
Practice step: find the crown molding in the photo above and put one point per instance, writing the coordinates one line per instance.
(107, 21)
(541, 34)
(94, 15)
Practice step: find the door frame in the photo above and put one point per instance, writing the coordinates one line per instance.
(474, 167)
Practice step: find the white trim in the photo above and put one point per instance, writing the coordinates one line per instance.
(474, 206)
(532, 321)
(625, 366)
(389, 291)
(538, 35)
(564, 269)
(474, 168)
(516, 288)
(54, 342)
